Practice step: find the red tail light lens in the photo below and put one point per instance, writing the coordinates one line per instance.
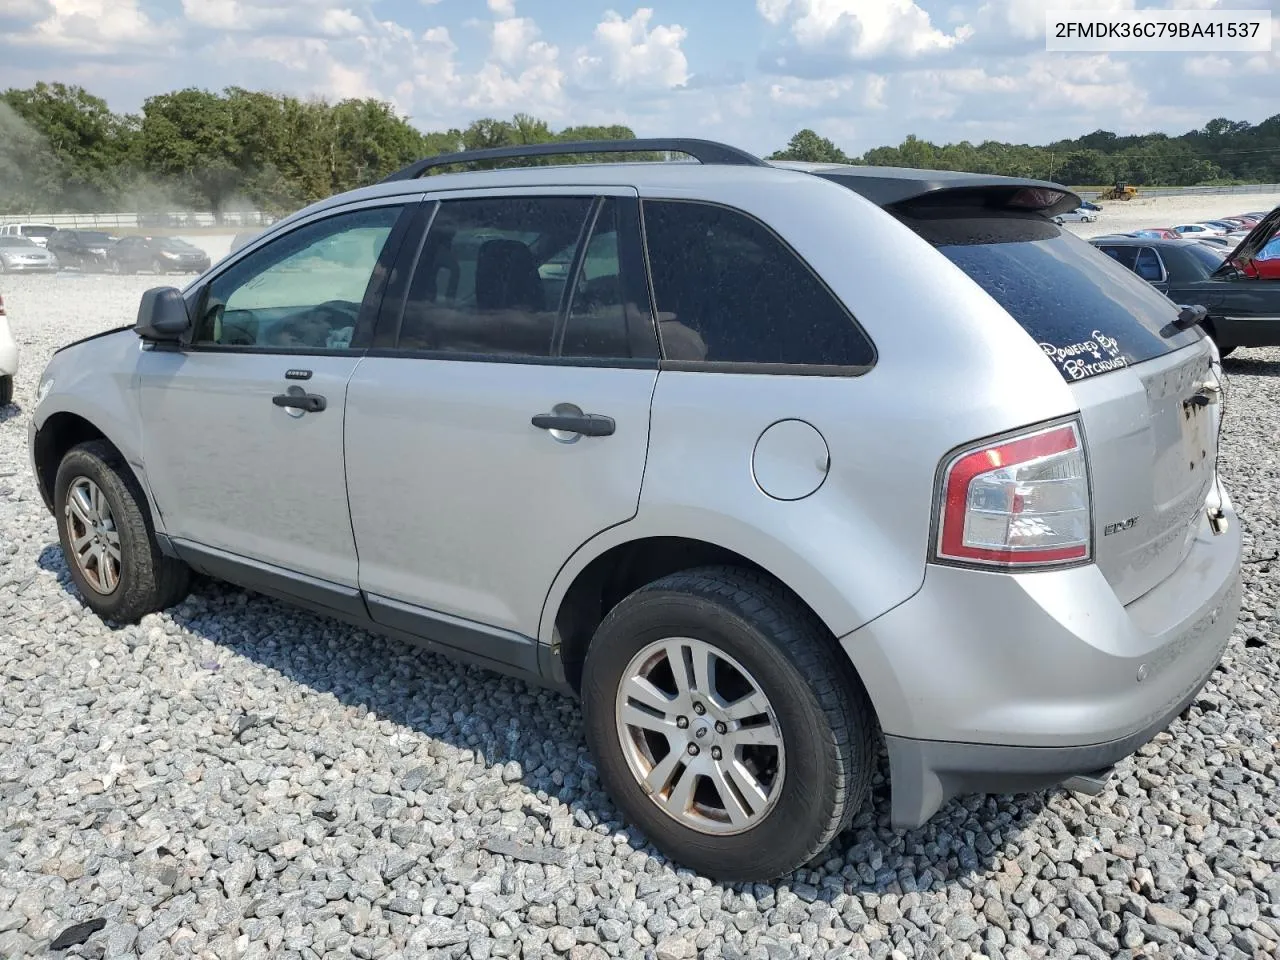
(1021, 502)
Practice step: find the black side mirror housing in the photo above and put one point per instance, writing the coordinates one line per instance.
(162, 315)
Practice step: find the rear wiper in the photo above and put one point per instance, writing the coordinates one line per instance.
(1190, 316)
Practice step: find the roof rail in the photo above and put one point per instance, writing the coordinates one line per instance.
(704, 151)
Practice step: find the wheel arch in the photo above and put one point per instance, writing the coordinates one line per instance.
(62, 431)
(607, 569)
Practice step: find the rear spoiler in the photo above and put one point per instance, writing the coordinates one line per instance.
(903, 190)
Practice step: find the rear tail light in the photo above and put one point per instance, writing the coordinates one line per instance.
(1022, 501)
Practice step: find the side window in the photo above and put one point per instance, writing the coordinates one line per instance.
(301, 291)
(491, 276)
(728, 290)
(1125, 256)
(609, 314)
(1148, 265)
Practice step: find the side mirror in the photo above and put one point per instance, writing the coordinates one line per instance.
(162, 315)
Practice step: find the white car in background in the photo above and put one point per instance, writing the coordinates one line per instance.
(8, 358)
(1193, 231)
(37, 233)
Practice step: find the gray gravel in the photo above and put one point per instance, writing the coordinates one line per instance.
(239, 779)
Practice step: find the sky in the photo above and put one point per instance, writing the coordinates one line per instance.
(750, 72)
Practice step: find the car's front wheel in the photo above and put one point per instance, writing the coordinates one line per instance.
(726, 724)
(6, 390)
(107, 538)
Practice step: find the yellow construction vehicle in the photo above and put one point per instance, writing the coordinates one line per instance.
(1121, 191)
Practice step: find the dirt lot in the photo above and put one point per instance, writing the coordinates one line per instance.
(1122, 216)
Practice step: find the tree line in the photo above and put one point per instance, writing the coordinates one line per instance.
(1223, 152)
(62, 149)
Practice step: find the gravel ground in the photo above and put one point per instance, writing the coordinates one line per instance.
(239, 779)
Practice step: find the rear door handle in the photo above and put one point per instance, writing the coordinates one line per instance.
(586, 424)
(307, 402)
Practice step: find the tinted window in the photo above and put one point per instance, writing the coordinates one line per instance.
(491, 276)
(600, 316)
(1208, 257)
(728, 291)
(37, 231)
(1127, 256)
(1148, 265)
(1087, 312)
(301, 291)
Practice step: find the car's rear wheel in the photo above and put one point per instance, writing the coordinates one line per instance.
(726, 724)
(6, 390)
(107, 538)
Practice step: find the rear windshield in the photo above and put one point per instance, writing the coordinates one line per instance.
(1088, 313)
(38, 231)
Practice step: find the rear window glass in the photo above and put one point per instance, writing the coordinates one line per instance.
(1211, 258)
(37, 231)
(1089, 314)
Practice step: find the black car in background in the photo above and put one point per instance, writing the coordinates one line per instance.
(82, 249)
(156, 255)
(1242, 312)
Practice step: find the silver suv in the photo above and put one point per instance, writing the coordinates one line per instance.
(770, 465)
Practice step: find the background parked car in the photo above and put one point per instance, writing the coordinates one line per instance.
(38, 233)
(1257, 256)
(1157, 233)
(8, 358)
(155, 254)
(84, 249)
(21, 255)
(1243, 311)
(1199, 230)
(1078, 215)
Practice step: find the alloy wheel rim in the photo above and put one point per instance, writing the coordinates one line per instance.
(700, 736)
(94, 539)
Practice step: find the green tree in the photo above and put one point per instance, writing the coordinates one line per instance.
(808, 146)
(190, 137)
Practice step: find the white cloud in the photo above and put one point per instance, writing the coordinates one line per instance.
(861, 30)
(503, 8)
(1024, 19)
(628, 54)
(91, 26)
(513, 39)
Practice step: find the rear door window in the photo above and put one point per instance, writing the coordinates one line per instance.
(1089, 314)
(1126, 256)
(1148, 265)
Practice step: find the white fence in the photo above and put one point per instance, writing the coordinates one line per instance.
(113, 221)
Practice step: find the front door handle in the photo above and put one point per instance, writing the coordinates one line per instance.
(298, 399)
(585, 424)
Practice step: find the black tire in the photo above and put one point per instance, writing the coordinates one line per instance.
(827, 724)
(6, 390)
(149, 581)
(1227, 350)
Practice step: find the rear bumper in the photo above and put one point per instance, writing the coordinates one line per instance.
(1247, 332)
(997, 683)
(31, 268)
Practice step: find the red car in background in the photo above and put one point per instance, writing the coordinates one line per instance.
(1258, 256)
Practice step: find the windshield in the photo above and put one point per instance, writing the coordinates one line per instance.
(175, 245)
(15, 242)
(95, 239)
(36, 230)
(1088, 313)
